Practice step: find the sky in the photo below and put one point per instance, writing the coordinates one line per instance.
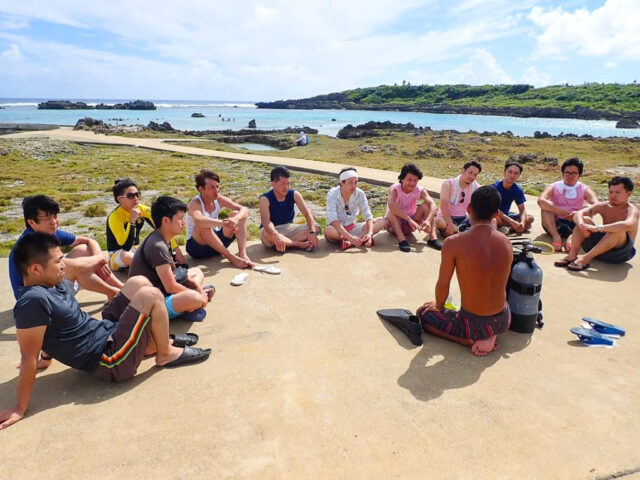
(261, 51)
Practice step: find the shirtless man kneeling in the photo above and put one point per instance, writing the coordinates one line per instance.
(482, 260)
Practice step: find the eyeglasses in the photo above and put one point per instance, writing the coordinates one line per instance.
(47, 218)
(131, 195)
(462, 194)
(571, 174)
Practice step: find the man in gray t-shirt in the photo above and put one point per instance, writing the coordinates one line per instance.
(135, 324)
(182, 288)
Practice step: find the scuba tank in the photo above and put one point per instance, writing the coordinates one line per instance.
(523, 289)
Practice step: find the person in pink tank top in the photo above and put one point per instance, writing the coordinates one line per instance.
(404, 215)
(560, 200)
(455, 196)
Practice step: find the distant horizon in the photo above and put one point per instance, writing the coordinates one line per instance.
(121, 99)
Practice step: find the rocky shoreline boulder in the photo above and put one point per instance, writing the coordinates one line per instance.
(197, 115)
(160, 127)
(136, 105)
(369, 129)
(627, 123)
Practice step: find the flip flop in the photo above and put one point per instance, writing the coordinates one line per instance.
(270, 269)
(182, 340)
(405, 321)
(345, 244)
(591, 337)
(239, 279)
(562, 263)
(577, 267)
(604, 327)
(189, 355)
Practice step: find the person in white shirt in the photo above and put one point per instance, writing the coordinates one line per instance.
(344, 203)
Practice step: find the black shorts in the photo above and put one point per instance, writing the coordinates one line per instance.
(195, 250)
(615, 255)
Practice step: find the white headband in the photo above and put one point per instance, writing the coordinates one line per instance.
(348, 174)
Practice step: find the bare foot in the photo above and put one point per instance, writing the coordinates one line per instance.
(238, 262)
(245, 257)
(41, 365)
(174, 353)
(481, 348)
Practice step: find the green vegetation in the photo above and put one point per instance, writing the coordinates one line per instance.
(96, 210)
(616, 99)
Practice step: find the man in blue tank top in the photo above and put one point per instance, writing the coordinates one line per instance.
(277, 210)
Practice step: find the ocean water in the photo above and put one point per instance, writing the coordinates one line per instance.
(235, 115)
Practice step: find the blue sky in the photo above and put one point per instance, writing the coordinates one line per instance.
(221, 50)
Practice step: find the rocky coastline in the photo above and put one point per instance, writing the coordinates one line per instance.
(68, 105)
(582, 113)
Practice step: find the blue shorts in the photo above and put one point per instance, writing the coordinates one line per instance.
(565, 227)
(615, 255)
(168, 302)
(195, 250)
(514, 216)
(463, 222)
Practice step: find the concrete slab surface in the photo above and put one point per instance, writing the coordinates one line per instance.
(306, 382)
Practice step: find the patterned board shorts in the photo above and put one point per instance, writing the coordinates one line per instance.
(465, 324)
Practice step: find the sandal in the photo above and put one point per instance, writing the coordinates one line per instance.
(577, 266)
(563, 263)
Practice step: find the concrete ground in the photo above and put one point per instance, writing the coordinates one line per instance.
(306, 382)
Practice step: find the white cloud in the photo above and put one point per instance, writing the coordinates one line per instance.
(609, 31)
(533, 77)
(482, 68)
(12, 54)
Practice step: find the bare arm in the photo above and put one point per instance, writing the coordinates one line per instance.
(199, 219)
(432, 205)
(393, 205)
(179, 255)
(30, 341)
(625, 225)
(225, 202)
(265, 216)
(308, 215)
(545, 203)
(445, 196)
(447, 267)
(168, 280)
(590, 196)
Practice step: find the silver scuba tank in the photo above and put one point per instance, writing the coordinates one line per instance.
(523, 292)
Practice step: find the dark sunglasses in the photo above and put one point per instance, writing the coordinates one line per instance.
(462, 197)
(132, 195)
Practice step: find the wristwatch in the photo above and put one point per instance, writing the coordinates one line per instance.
(600, 228)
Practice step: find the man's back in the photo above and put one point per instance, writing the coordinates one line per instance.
(482, 258)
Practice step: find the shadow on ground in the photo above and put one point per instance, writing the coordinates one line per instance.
(441, 365)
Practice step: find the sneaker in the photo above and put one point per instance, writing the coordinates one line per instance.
(504, 230)
(404, 246)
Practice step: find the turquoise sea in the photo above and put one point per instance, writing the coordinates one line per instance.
(221, 115)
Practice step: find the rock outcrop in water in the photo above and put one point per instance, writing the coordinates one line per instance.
(370, 129)
(197, 115)
(627, 123)
(63, 105)
(67, 105)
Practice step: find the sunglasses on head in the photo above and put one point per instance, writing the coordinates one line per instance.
(132, 195)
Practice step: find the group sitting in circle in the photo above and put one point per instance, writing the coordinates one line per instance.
(472, 219)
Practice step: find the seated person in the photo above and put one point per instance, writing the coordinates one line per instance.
(455, 196)
(481, 258)
(277, 209)
(344, 203)
(207, 235)
(125, 222)
(510, 191)
(404, 215)
(182, 288)
(302, 139)
(48, 317)
(86, 263)
(559, 200)
(611, 242)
